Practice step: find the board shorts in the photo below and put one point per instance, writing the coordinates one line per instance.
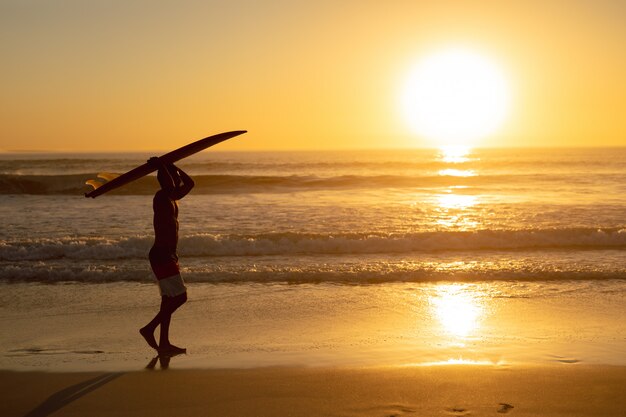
(164, 263)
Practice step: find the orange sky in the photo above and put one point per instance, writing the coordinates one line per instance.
(146, 75)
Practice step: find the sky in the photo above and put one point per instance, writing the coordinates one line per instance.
(137, 75)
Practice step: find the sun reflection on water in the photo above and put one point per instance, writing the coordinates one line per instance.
(456, 201)
(457, 173)
(454, 154)
(454, 211)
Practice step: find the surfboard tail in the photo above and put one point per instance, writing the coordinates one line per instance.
(104, 177)
(108, 176)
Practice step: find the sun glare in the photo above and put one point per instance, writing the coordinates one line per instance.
(454, 154)
(455, 97)
(457, 309)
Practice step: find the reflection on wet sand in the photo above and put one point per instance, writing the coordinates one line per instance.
(457, 310)
(163, 360)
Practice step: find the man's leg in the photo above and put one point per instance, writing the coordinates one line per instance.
(148, 330)
(168, 307)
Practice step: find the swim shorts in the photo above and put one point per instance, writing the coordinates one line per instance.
(164, 263)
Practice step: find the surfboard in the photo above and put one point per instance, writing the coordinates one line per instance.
(114, 181)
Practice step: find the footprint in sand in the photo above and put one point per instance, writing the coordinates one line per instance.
(458, 411)
(390, 410)
(564, 359)
(504, 408)
(400, 410)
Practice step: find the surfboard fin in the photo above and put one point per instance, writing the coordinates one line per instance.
(106, 176)
(94, 183)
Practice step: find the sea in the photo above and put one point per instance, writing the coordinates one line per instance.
(513, 223)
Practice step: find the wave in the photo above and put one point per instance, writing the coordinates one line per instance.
(360, 270)
(291, 243)
(327, 161)
(228, 184)
(78, 166)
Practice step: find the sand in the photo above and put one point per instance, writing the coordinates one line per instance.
(271, 350)
(453, 390)
(85, 328)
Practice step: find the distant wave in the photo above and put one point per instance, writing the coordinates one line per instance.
(210, 245)
(78, 166)
(226, 184)
(371, 162)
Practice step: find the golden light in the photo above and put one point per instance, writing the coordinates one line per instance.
(454, 154)
(454, 211)
(457, 309)
(456, 361)
(455, 97)
(456, 201)
(457, 172)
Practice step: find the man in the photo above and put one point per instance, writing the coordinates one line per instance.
(175, 184)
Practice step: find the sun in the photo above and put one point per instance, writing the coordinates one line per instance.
(455, 97)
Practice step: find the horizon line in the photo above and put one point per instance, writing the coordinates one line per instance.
(66, 151)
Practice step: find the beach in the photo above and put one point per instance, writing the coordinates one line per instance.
(348, 284)
(454, 390)
(321, 350)
(80, 327)
(426, 215)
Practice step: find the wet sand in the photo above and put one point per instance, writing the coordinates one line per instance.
(455, 390)
(270, 350)
(85, 328)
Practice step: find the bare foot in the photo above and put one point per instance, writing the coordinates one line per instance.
(149, 336)
(170, 349)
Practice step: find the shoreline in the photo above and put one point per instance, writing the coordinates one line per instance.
(80, 327)
(454, 390)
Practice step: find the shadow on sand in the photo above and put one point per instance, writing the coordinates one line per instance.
(70, 394)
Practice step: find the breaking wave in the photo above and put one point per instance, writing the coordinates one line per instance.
(360, 273)
(269, 244)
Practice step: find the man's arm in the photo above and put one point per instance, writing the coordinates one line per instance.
(187, 184)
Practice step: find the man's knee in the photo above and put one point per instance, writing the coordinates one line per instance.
(170, 304)
(179, 300)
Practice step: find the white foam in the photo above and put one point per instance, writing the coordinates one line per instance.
(207, 245)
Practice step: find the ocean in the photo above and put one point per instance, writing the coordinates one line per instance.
(512, 223)
(347, 217)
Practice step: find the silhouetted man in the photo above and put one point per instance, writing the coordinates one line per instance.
(175, 184)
